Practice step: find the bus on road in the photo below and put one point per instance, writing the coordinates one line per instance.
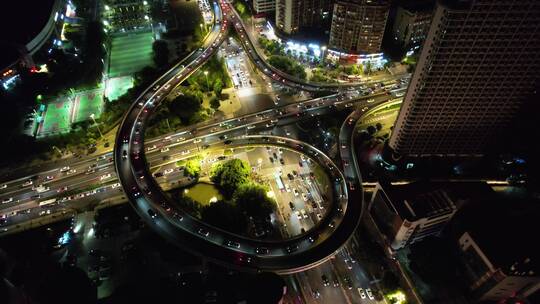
(47, 202)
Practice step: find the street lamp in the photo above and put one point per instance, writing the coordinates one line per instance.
(323, 49)
(95, 123)
(56, 148)
(201, 25)
(207, 84)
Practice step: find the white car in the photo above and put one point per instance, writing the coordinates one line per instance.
(362, 293)
(370, 294)
(168, 171)
(304, 196)
(105, 176)
(296, 193)
(7, 200)
(64, 169)
(4, 186)
(151, 148)
(41, 189)
(166, 149)
(298, 215)
(27, 183)
(287, 188)
(304, 214)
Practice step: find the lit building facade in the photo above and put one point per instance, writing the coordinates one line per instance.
(293, 15)
(358, 26)
(477, 66)
(411, 25)
(264, 6)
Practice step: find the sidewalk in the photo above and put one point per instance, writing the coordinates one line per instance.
(395, 266)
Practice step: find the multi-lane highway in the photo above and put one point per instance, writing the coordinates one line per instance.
(159, 151)
(148, 199)
(132, 162)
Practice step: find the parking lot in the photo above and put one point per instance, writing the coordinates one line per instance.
(236, 64)
(301, 189)
(300, 197)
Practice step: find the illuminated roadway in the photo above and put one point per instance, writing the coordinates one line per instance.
(278, 75)
(207, 133)
(132, 167)
(149, 201)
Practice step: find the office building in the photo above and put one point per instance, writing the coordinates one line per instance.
(498, 249)
(411, 24)
(478, 65)
(293, 15)
(264, 6)
(358, 26)
(407, 214)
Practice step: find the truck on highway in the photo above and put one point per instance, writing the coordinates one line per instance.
(279, 182)
(47, 202)
(41, 189)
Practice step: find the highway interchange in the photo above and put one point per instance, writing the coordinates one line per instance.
(101, 169)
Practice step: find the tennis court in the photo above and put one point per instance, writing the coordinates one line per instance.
(56, 118)
(130, 53)
(62, 111)
(87, 103)
(118, 86)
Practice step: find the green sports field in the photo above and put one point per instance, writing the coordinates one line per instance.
(62, 111)
(56, 118)
(118, 86)
(88, 103)
(130, 53)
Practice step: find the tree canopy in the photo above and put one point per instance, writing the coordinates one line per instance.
(230, 175)
(185, 106)
(193, 168)
(253, 200)
(225, 216)
(215, 103)
(161, 53)
(288, 66)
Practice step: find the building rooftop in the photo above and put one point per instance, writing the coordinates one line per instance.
(506, 231)
(23, 20)
(424, 199)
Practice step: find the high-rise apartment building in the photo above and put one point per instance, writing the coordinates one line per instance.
(479, 63)
(411, 24)
(292, 15)
(264, 6)
(358, 25)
